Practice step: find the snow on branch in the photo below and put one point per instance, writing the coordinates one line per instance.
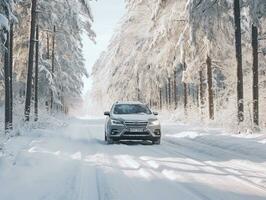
(4, 23)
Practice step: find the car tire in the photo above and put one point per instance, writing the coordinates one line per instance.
(157, 142)
(105, 137)
(109, 140)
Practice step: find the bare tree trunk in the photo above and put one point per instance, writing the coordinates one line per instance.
(53, 67)
(166, 95)
(175, 89)
(240, 92)
(177, 95)
(47, 57)
(138, 90)
(169, 92)
(161, 102)
(7, 83)
(185, 91)
(210, 89)
(201, 92)
(188, 88)
(48, 46)
(197, 96)
(36, 74)
(255, 76)
(185, 97)
(11, 73)
(30, 62)
(192, 93)
(62, 98)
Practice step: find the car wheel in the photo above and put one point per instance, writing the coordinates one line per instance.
(109, 140)
(105, 138)
(156, 142)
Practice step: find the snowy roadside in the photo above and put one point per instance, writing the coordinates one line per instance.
(218, 126)
(23, 133)
(73, 162)
(209, 139)
(13, 164)
(215, 137)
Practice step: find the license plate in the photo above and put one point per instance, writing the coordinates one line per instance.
(136, 130)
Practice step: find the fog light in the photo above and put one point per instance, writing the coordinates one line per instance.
(157, 132)
(114, 132)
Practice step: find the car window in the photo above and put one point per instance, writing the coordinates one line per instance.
(123, 109)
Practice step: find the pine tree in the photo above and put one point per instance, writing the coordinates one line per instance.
(238, 45)
(11, 44)
(7, 83)
(36, 78)
(30, 61)
(255, 76)
(210, 87)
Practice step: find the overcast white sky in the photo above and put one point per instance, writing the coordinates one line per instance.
(107, 14)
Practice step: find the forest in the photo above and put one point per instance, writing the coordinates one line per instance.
(201, 60)
(167, 102)
(42, 64)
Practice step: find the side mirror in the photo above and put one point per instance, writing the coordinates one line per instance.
(155, 113)
(107, 113)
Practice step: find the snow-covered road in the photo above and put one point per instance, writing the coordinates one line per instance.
(191, 163)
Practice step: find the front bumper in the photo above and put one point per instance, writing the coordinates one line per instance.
(122, 132)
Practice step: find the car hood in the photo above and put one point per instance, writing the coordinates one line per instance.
(134, 117)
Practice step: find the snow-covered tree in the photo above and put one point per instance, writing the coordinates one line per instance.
(60, 56)
(159, 38)
(71, 19)
(6, 15)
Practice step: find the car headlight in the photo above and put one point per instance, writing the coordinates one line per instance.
(155, 122)
(116, 122)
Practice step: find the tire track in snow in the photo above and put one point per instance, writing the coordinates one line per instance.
(216, 148)
(196, 194)
(102, 188)
(83, 189)
(104, 191)
(89, 181)
(241, 166)
(236, 176)
(84, 177)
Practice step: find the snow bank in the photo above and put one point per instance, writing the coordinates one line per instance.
(4, 24)
(24, 131)
(223, 120)
(244, 145)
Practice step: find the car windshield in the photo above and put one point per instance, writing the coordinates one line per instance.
(123, 109)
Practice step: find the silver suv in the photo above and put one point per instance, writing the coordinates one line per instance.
(132, 121)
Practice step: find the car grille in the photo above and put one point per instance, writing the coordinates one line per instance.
(136, 124)
(136, 134)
